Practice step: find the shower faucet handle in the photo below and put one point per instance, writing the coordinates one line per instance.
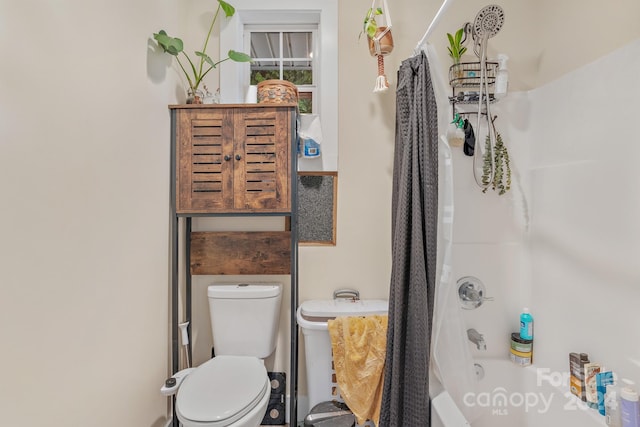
(471, 292)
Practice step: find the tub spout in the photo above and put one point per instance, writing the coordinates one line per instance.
(477, 338)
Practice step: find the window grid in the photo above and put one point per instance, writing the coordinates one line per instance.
(307, 99)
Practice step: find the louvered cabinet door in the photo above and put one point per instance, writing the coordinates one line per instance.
(262, 139)
(204, 153)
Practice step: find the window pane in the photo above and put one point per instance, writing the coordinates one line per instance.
(298, 77)
(260, 75)
(265, 45)
(305, 102)
(297, 45)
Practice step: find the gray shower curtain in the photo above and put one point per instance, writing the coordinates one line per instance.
(405, 400)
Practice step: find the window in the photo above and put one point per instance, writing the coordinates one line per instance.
(278, 30)
(284, 55)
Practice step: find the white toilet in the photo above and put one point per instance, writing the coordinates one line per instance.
(233, 388)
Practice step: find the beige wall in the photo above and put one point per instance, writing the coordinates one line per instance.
(84, 221)
(84, 160)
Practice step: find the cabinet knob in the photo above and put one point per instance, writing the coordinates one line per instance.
(227, 157)
(238, 157)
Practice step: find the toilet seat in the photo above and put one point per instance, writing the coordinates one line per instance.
(221, 391)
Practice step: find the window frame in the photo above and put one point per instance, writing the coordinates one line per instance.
(234, 77)
(313, 88)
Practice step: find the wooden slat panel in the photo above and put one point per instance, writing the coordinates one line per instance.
(260, 148)
(206, 131)
(265, 115)
(259, 139)
(261, 158)
(265, 119)
(206, 187)
(207, 149)
(260, 167)
(200, 159)
(261, 186)
(208, 167)
(259, 130)
(214, 122)
(207, 140)
(261, 252)
(261, 176)
(207, 177)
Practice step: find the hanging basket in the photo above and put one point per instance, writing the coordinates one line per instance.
(385, 42)
(277, 92)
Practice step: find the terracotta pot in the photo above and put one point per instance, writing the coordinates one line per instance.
(386, 43)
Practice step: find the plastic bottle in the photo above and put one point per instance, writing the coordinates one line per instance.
(526, 325)
(612, 406)
(502, 77)
(629, 405)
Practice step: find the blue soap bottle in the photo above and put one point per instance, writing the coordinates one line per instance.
(526, 325)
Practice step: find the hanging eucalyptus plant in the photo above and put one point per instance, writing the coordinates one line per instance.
(500, 180)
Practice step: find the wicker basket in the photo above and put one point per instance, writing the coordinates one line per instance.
(277, 92)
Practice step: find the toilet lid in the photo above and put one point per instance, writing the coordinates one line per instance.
(222, 390)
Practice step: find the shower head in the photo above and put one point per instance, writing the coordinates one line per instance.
(488, 21)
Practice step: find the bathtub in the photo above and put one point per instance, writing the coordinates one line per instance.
(509, 395)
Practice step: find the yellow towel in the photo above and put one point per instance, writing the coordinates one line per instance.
(359, 347)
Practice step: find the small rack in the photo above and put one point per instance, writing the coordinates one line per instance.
(467, 74)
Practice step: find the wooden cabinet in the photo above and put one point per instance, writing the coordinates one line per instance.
(233, 158)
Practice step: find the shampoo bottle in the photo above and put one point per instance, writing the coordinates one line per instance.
(603, 379)
(612, 406)
(526, 325)
(629, 405)
(502, 77)
(591, 390)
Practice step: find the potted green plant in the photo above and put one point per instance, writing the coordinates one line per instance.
(371, 29)
(456, 49)
(174, 46)
(370, 24)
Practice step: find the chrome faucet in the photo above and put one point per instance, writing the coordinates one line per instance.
(477, 338)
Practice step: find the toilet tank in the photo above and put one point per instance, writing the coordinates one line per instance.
(245, 318)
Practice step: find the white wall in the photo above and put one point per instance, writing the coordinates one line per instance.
(84, 155)
(586, 237)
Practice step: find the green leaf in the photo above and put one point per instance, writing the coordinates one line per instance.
(459, 36)
(450, 37)
(239, 56)
(171, 45)
(229, 10)
(206, 58)
(371, 28)
(379, 11)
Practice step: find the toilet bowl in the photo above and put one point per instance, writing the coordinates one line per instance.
(233, 389)
(226, 391)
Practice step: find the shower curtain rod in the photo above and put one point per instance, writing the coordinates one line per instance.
(436, 19)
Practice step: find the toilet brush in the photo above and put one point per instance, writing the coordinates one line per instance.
(185, 342)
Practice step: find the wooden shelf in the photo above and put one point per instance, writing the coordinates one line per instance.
(240, 252)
